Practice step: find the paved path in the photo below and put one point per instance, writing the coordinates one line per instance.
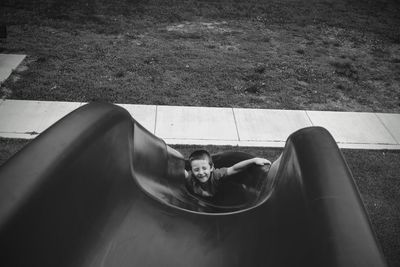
(207, 125)
(217, 126)
(8, 63)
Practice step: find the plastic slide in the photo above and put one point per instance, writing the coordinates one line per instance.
(97, 189)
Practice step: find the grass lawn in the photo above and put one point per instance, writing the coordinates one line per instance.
(376, 174)
(285, 54)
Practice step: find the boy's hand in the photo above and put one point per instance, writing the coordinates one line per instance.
(261, 161)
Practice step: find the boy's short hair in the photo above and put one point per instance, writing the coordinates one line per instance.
(201, 154)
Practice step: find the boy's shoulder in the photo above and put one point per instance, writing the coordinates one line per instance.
(220, 173)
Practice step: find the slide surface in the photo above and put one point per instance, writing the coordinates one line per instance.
(97, 189)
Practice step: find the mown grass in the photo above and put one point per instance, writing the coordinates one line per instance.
(376, 174)
(292, 54)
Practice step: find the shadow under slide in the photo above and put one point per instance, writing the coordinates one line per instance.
(98, 189)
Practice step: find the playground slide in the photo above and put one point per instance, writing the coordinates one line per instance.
(97, 189)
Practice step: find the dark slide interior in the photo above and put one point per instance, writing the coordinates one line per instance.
(97, 189)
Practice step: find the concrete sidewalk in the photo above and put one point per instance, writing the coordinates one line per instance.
(8, 63)
(217, 126)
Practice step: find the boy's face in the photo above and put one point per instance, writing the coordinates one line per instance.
(201, 169)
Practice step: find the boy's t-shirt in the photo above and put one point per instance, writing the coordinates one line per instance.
(209, 188)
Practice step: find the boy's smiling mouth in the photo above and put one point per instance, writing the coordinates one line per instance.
(202, 178)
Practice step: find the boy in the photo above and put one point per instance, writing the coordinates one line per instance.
(204, 179)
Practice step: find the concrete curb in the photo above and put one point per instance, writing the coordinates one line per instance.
(217, 126)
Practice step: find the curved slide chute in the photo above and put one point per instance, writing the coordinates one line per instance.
(97, 189)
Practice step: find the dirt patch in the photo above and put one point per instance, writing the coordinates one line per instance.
(201, 27)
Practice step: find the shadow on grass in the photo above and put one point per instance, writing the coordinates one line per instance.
(376, 16)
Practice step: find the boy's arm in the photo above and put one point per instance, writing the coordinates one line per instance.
(240, 166)
(186, 174)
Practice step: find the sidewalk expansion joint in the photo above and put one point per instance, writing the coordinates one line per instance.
(308, 116)
(236, 124)
(387, 129)
(155, 120)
